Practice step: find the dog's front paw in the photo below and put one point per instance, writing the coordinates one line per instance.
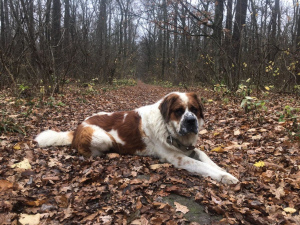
(229, 179)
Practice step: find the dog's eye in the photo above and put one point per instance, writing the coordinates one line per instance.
(179, 111)
(194, 110)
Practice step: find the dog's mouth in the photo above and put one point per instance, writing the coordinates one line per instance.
(188, 129)
(189, 125)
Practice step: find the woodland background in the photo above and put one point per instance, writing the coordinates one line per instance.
(62, 61)
(45, 44)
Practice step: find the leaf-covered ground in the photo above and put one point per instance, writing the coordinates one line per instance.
(57, 186)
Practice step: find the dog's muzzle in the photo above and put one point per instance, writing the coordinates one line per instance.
(189, 124)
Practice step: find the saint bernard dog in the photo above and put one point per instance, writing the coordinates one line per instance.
(167, 129)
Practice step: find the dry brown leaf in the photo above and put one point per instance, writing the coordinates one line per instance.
(159, 205)
(181, 208)
(5, 185)
(157, 166)
(203, 131)
(35, 203)
(113, 155)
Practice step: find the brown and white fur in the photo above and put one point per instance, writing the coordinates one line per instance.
(149, 131)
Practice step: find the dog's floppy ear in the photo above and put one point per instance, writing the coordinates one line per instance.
(165, 106)
(200, 105)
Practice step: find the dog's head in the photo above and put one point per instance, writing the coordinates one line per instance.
(183, 113)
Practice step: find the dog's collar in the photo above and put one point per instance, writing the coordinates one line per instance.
(177, 144)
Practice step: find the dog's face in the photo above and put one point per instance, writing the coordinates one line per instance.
(183, 113)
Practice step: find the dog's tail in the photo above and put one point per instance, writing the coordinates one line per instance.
(53, 138)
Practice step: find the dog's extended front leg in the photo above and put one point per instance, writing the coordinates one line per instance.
(182, 161)
(204, 158)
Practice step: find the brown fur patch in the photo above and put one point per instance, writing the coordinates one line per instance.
(128, 130)
(196, 103)
(71, 135)
(82, 140)
(169, 105)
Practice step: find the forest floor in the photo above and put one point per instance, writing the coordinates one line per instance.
(57, 186)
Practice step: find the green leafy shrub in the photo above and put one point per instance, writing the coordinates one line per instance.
(8, 124)
(253, 104)
(221, 89)
(124, 82)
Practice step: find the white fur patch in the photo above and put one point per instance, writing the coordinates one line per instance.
(100, 142)
(115, 134)
(124, 117)
(53, 138)
(183, 97)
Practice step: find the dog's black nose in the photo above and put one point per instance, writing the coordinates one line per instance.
(190, 120)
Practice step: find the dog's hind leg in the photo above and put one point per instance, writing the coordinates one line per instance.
(91, 140)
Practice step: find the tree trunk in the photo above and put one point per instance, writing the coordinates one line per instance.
(56, 35)
(273, 37)
(175, 53)
(217, 34)
(67, 24)
(239, 23)
(164, 41)
(2, 26)
(298, 46)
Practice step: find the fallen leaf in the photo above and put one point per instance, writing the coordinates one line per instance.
(4, 185)
(259, 164)
(22, 165)
(106, 219)
(252, 130)
(203, 131)
(113, 155)
(289, 210)
(216, 133)
(219, 149)
(181, 208)
(156, 166)
(236, 132)
(279, 192)
(35, 203)
(29, 219)
(17, 146)
(256, 137)
(159, 205)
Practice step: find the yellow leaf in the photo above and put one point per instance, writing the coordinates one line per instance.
(219, 149)
(17, 146)
(210, 100)
(23, 165)
(289, 210)
(259, 164)
(216, 133)
(267, 88)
